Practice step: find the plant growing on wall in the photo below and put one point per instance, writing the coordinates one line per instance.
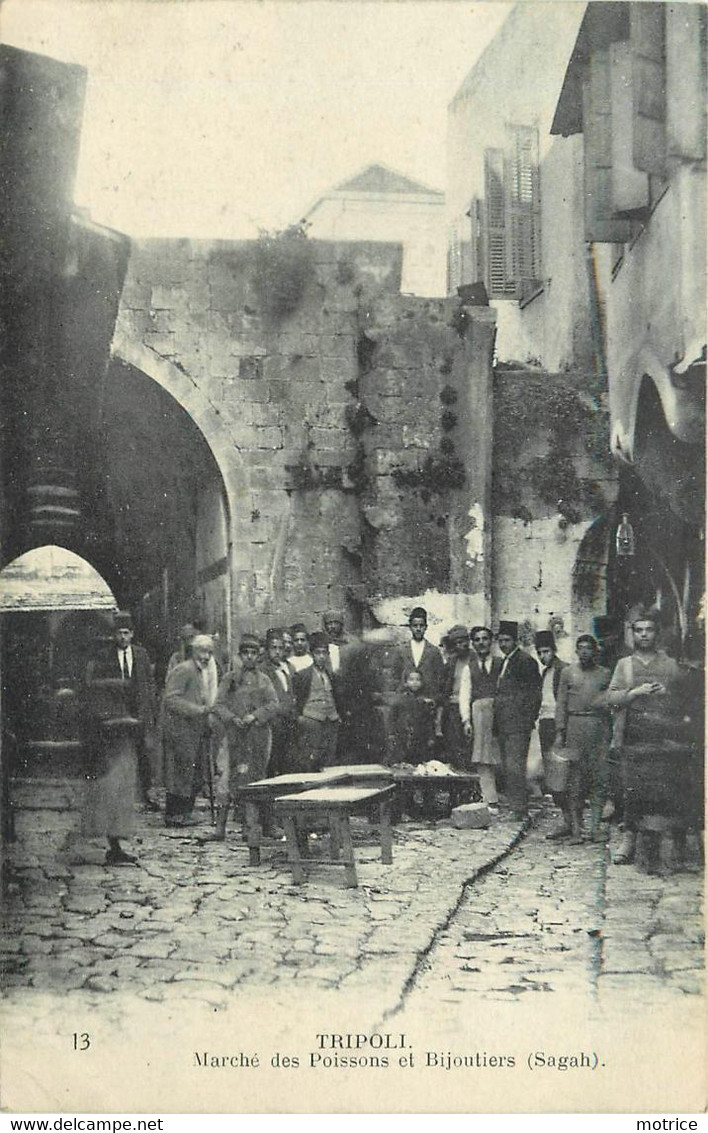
(440, 472)
(284, 263)
(570, 421)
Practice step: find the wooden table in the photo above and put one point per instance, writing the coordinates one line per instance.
(336, 804)
(456, 787)
(365, 774)
(258, 798)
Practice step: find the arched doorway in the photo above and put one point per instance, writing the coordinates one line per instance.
(56, 610)
(589, 592)
(160, 512)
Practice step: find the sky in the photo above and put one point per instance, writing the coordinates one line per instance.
(217, 118)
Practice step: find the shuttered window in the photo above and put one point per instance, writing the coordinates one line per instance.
(506, 229)
(524, 205)
(498, 276)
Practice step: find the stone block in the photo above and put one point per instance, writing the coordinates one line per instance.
(340, 346)
(331, 417)
(268, 438)
(160, 321)
(384, 381)
(298, 345)
(260, 413)
(418, 435)
(134, 322)
(382, 461)
(338, 322)
(278, 391)
(168, 297)
(336, 371)
(136, 292)
(471, 816)
(162, 344)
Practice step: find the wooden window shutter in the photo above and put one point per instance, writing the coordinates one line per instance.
(602, 225)
(499, 280)
(630, 186)
(477, 249)
(525, 205)
(648, 45)
(686, 81)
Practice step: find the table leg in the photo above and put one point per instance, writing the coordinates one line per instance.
(253, 833)
(293, 848)
(385, 832)
(302, 837)
(335, 845)
(345, 834)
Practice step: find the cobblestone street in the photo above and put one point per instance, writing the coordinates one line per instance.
(470, 940)
(195, 921)
(552, 918)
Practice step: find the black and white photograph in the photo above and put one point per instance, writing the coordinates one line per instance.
(352, 570)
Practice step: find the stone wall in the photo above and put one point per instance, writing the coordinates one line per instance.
(360, 433)
(324, 402)
(427, 384)
(554, 487)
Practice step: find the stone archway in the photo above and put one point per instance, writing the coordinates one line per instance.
(589, 589)
(54, 608)
(179, 385)
(205, 416)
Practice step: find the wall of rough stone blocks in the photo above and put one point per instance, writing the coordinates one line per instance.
(550, 568)
(533, 578)
(322, 408)
(281, 388)
(356, 439)
(427, 386)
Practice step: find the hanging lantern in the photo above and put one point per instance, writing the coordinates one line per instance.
(624, 538)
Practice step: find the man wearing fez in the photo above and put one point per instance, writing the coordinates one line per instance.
(245, 705)
(516, 704)
(551, 669)
(282, 725)
(333, 624)
(120, 708)
(477, 689)
(454, 739)
(421, 655)
(130, 663)
(186, 730)
(638, 685)
(317, 696)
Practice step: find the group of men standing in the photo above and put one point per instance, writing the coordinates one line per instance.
(300, 701)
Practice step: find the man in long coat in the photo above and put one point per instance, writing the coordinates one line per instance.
(477, 689)
(127, 661)
(189, 698)
(245, 705)
(454, 740)
(119, 703)
(282, 725)
(516, 704)
(421, 655)
(637, 690)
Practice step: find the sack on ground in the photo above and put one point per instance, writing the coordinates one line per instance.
(534, 760)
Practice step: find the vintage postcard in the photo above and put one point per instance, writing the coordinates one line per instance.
(352, 498)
